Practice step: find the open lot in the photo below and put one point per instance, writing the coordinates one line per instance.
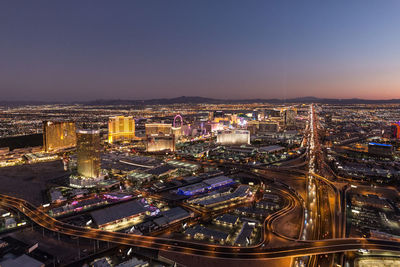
(65, 249)
(31, 181)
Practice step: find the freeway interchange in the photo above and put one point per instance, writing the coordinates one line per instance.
(298, 249)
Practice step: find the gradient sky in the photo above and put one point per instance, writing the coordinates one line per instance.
(86, 50)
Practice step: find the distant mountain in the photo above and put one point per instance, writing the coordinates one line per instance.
(26, 103)
(165, 101)
(205, 100)
(201, 100)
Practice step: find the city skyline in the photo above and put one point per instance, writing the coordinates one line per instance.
(226, 50)
(200, 133)
(243, 184)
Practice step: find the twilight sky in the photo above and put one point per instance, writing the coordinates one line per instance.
(86, 50)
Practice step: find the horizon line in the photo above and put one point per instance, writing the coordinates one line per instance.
(199, 97)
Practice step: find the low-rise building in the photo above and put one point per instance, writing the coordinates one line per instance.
(121, 215)
(134, 262)
(246, 233)
(227, 220)
(204, 186)
(171, 216)
(212, 200)
(56, 196)
(201, 232)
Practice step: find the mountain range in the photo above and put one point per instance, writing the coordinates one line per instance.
(204, 100)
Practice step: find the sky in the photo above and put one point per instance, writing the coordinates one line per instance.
(86, 50)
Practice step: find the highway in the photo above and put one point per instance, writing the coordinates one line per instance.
(298, 249)
(321, 220)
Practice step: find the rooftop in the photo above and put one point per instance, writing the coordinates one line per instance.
(218, 180)
(21, 261)
(379, 144)
(118, 212)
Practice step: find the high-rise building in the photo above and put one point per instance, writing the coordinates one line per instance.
(177, 132)
(88, 151)
(158, 128)
(58, 135)
(328, 118)
(288, 116)
(210, 115)
(121, 129)
(272, 114)
(260, 127)
(396, 130)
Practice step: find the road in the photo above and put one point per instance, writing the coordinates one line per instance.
(299, 249)
(321, 210)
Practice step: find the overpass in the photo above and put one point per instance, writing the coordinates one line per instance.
(298, 249)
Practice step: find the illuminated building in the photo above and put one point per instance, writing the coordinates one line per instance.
(257, 127)
(177, 132)
(122, 215)
(272, 114)
(88, 150)
(210, 115)
(288, 116)
(196, 129)
(121, 128)
(201, 232)
(234, 119)
(396, 130)
(240, 121)
(158, 128)
(241, 193)
(88, 160)
(206, 185)
(227, 220)
(380, 149)
(186, 130)
(255, 115)
(222, 120)
(58, 135)
(211, 127)
(161, 142)
(236, 137)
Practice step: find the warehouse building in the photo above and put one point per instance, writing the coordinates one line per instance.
(208, 184)
(120, 216)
